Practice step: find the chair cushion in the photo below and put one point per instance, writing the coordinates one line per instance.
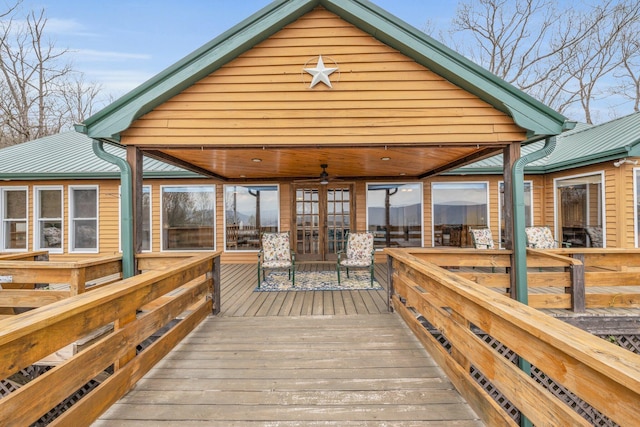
(360, 246)
(276, 247)
(482, 238)
(356, 262)
(276, 264)
(540, 238)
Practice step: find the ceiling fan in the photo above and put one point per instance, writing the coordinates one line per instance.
(322, 179)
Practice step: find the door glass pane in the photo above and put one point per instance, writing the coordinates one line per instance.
(338, 220)
(308, 221)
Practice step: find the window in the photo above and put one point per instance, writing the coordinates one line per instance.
(528, 212)
(636, 205)
(394, 214)
(579, 210)
(146, 219)
(188, 218)
(13, 215)
(48, 211)
(83, 218)
(249, 211)
(458, 207)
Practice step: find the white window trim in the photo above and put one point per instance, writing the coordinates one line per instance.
(150, 218)
(3, 220)
(602, 203)
(500, 210)
(488, 187)
(215, 228)
(421, 189)
(224, 219)
(37, 218)
(72, 219)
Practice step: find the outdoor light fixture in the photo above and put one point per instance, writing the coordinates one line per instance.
(385, 158)
(621, 162)
(256, 160)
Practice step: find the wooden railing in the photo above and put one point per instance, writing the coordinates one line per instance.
(573, 279)
(603, 375)
(135, 308)
(28, 284)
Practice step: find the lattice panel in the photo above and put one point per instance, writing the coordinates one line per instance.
(596, 418)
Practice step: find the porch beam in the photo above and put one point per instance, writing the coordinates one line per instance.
(471, 158)
(159, 155)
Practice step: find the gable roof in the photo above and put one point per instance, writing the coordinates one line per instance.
(69, 155)
(528, 113)
(583, 146)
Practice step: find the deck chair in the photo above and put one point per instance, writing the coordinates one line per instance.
(359, 254)
(541, 238)
(482, 238)
(276, 253)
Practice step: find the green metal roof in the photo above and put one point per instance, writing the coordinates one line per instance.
(583, 146)
(528, 113)
(69, 155)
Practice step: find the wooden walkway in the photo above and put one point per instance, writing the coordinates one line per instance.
(295, 359)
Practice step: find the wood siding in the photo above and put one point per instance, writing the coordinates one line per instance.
(378, 96)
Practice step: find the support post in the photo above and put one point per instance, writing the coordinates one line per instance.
(510, 155)
(134, 158)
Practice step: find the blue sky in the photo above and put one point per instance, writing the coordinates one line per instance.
(121, 44)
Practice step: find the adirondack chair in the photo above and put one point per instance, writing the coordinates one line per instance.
(359, 254)
(276, 253)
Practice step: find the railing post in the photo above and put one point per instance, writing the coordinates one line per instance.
(389, 283)
(78, 281)
(215, 274)
(578, 303)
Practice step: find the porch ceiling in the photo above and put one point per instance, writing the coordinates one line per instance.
(291, 163)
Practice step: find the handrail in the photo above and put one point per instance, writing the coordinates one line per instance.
(31, 336)
(587, 366)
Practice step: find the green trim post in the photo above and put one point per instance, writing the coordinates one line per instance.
(126, 206)
(519, 240)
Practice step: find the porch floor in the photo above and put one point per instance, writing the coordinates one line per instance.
(239, 300)
(295, 359)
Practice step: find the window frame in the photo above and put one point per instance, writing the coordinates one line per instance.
(488, 202)
(602, 201)
(162, 234)
(3, 220)
(224, 221)
(72, 219)
(421, 201)
(37, 220)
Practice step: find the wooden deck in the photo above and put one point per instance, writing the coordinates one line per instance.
(295, 359)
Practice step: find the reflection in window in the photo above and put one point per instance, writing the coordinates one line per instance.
(458, 207)
(146, 218)
(528, 196)
(83, 216)
(49, 218)
(579, 210)
(13, 215)
(249, 211)
(394, 214)
(188, 218)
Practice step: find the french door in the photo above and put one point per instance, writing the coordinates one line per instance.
(322, 216)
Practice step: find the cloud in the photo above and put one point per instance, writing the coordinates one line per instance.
(68, 27)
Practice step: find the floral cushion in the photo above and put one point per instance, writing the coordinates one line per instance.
(595, 235)
(482, 238)
(360, 247)
(540, 238)
(276, 247)
(276, 264)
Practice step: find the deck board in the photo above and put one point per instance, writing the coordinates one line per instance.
(303, 370)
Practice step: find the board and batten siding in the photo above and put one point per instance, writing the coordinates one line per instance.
(379, 96)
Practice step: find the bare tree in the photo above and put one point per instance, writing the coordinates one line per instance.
(560, 56)
(39, 93)
(628, 75)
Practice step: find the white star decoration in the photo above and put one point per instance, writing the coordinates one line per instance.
(320, 73)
